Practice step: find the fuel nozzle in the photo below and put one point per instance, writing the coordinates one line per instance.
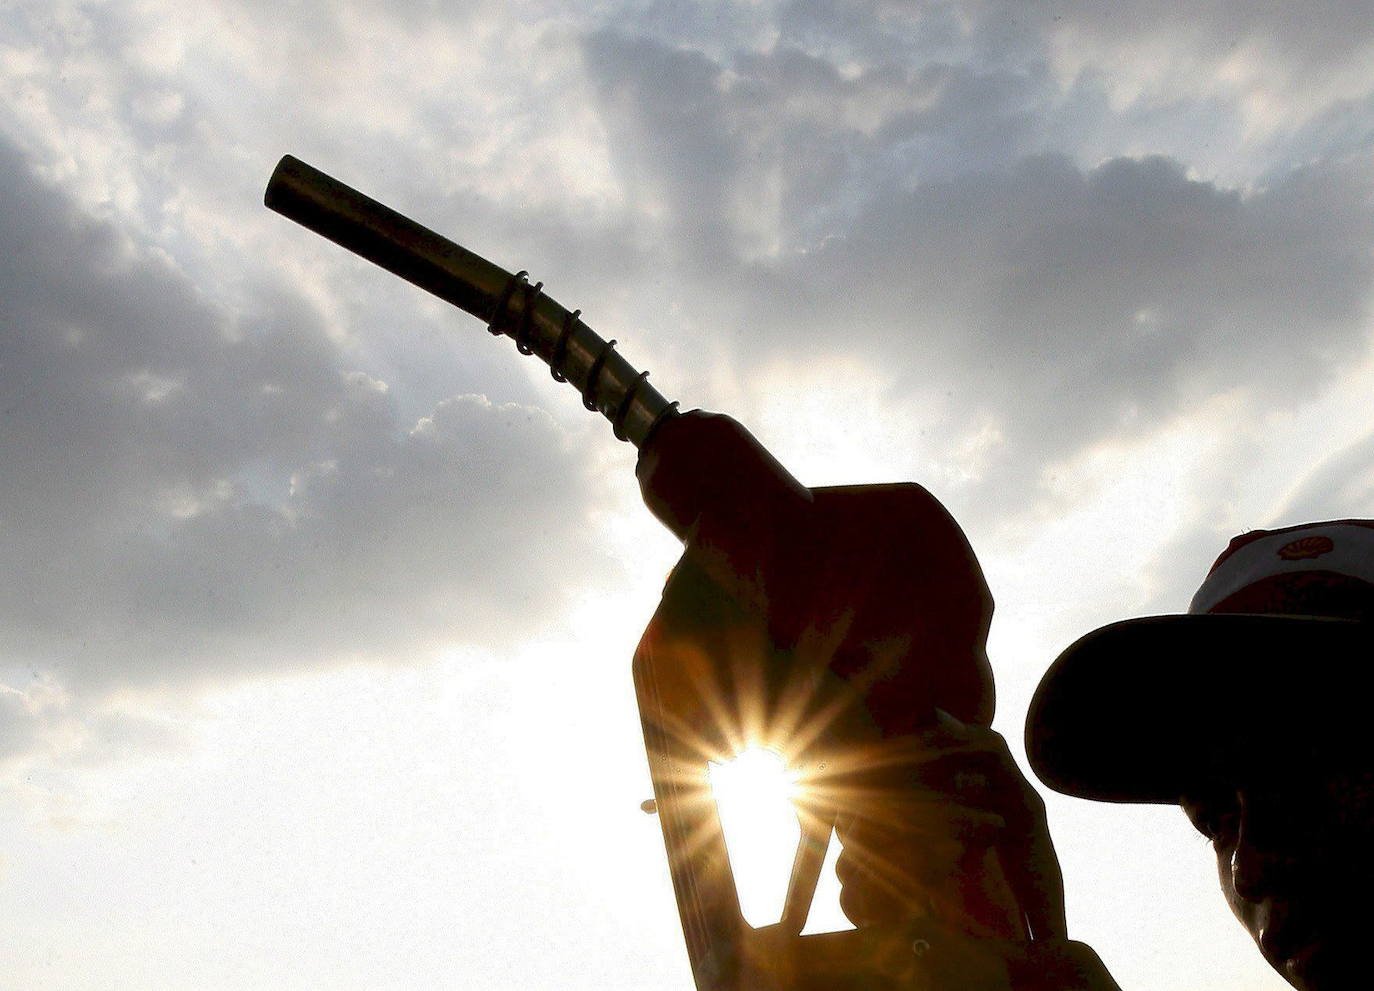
(508, 303)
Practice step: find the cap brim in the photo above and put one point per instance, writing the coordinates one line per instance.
(1130, 712)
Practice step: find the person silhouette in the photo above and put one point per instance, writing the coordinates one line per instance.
(1250, 712)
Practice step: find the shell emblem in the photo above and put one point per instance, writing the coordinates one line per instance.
(1306, 547)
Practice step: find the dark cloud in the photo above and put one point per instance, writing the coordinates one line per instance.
(1090, 81)
(1074, 306)
(671, 137)
(793, 141)
(1058, 306)
(189, 491)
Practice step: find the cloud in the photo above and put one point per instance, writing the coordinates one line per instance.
(1341, 487)
(756, 152)
(925, 191)
(1300, 35)
(1151, 50)
(1071, 305)
(1015, 296)
(16, 722)
(1232, 91)
(191, 492)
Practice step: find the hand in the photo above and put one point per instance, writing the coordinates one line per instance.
(948, 960)
(943, 822)
(876, 584)
(943, 827)
(957, 962)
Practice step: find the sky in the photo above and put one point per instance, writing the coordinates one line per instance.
(319, 603)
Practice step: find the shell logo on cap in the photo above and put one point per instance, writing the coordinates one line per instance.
(1306, 547)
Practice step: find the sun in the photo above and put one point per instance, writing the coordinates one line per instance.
(754, 795)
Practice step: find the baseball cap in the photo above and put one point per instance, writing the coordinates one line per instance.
(1279, 636)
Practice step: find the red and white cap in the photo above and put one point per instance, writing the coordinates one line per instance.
(1256, 573)
(1280, 634)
